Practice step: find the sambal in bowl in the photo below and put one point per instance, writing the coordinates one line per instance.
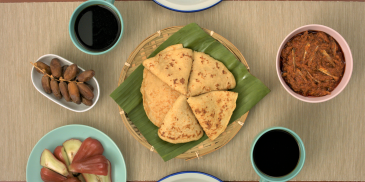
(314, 63)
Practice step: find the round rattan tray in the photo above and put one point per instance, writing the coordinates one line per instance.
(141, 53)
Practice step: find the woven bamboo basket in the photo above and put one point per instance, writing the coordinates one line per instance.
(141, 53)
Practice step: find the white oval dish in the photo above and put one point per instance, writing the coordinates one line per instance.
(36, 79)
(194, 176)
(187, 6)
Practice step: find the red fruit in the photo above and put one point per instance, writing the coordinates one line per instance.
(49, 161)
(74, 179)
(51, 176)
(71, 147)
(107, 178)
(97, 164)
(58, 154)
(98, 178)
(89, 147)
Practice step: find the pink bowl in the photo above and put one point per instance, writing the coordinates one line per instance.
(348, 59)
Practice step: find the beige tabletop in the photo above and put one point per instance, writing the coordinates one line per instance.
(333, 132)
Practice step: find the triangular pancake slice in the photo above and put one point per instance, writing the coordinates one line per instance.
(157, 96)
(213, 111)
(208, 75)
(180, 124)
(172, 67)
(172, 48)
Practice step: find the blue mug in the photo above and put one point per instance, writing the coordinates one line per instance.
(291, 175)
(108, 3)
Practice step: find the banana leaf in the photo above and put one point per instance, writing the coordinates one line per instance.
(250, 89)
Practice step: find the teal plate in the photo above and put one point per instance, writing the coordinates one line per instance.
(57, 136)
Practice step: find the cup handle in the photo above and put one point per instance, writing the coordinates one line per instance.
(263, 180)
(110, 1)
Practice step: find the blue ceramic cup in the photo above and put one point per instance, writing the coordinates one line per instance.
(108, 3)
(291, 175)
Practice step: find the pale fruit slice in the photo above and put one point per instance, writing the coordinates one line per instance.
(90, 177)
(71, 147)
(61, 155)
(64, 154)
(49, 161)
(81, 178)
(73, 179)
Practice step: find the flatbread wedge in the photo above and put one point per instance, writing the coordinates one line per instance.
(172, 67)
(213, 111)
(157, 97)
(172, 48)
(180, 124)
(208, 75)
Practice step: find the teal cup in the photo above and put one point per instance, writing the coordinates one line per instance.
(108, 3)
(292, 174)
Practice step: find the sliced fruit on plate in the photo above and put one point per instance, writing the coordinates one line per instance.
(89, 147)
(49, 161)
(81, 178)
(107, 178)
(90, 177)
(71, 147)
(73, 179)
(51, 176)
(61, 155)
(99, 178)
(97, 164)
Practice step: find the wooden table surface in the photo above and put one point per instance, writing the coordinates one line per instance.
(333, 132)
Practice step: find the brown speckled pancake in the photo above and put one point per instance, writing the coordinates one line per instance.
(172, 67)
(208, 75)
(180, 124)
(157, 97)
(213, 111)
(172, 48)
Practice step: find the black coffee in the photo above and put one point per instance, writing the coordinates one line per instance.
(97, 28)
(276, 153)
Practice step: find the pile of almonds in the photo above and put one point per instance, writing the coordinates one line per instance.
(65, 81)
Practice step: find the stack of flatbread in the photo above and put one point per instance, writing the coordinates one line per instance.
(184, 93)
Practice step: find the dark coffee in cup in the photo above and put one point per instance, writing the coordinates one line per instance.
(97, 28)
(276, 153)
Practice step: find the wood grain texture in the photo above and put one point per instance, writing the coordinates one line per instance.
(333, 132)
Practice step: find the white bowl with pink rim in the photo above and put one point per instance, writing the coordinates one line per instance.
(348, 61)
